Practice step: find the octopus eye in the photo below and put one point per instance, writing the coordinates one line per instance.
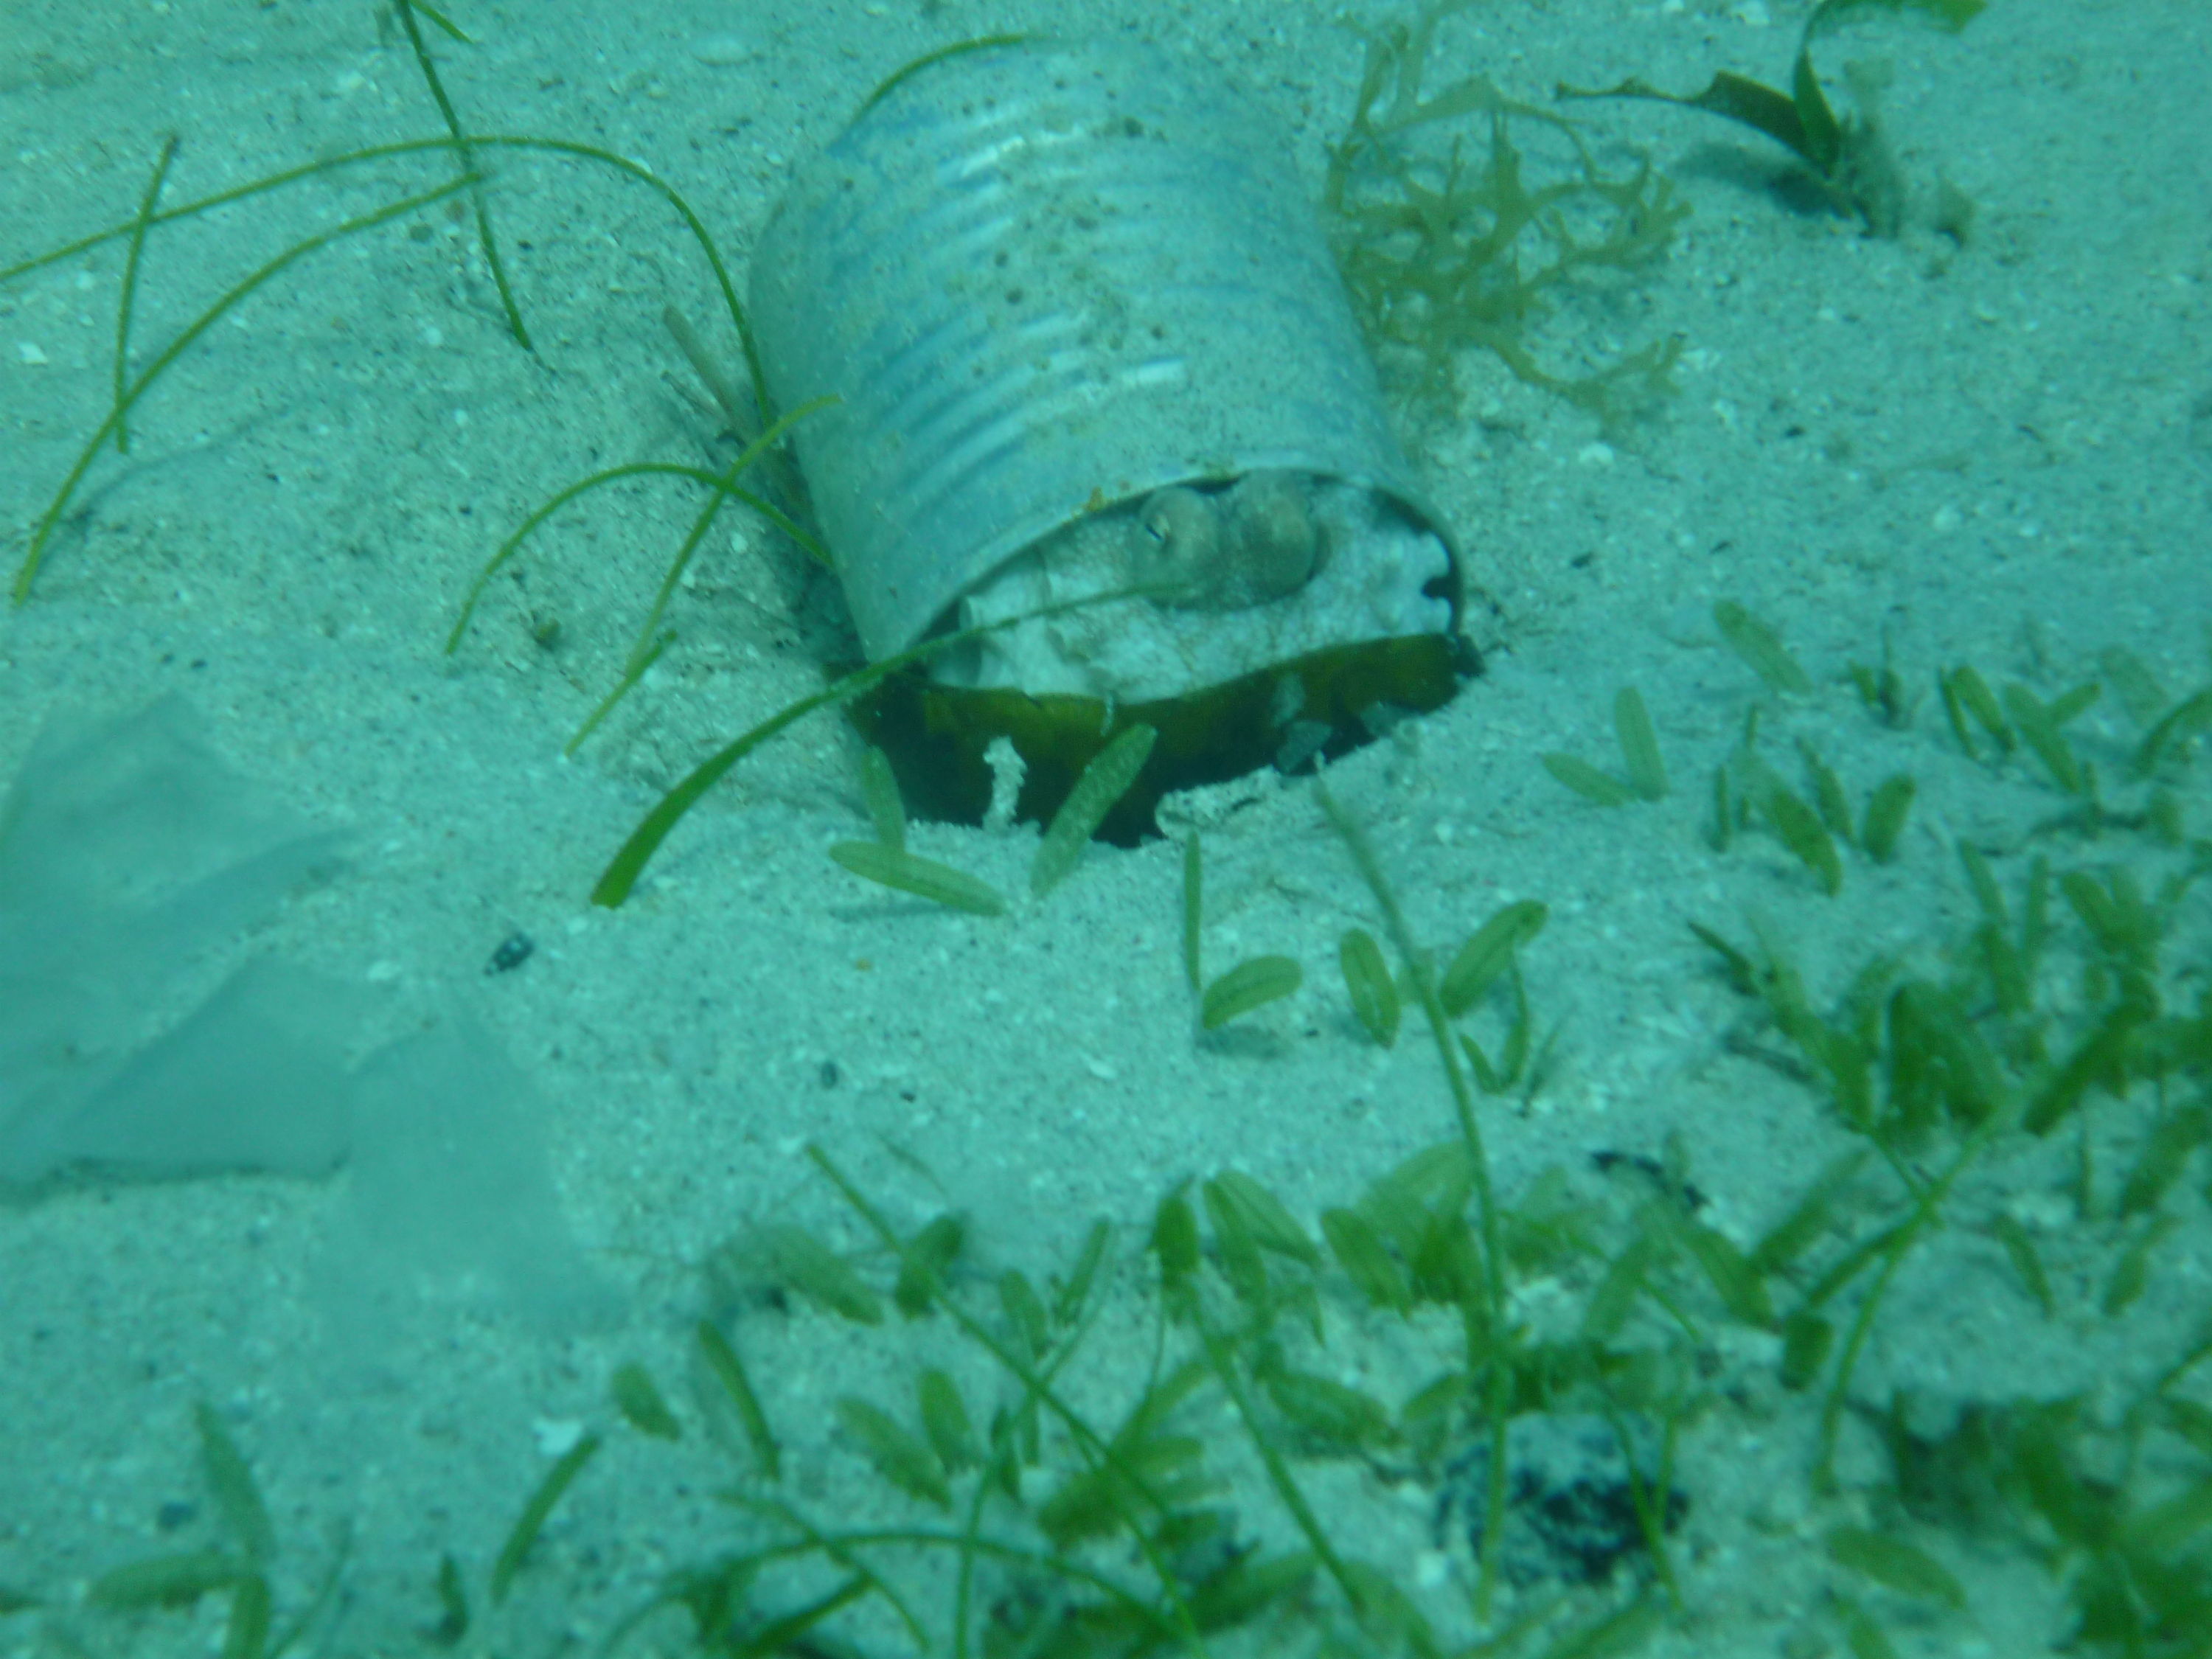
(1270, 523)
(1181, 521)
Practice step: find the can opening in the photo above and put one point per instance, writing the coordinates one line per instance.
(1321, 706)
(1265, 568)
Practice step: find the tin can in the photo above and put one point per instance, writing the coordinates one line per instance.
(1085, 334)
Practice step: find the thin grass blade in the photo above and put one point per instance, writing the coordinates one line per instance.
(129, 293)
(27, 573)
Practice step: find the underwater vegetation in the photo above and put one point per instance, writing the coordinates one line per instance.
(2075, 1002)
(1444, 252)
(1847, 158)
(1231, 1429)
(133, 383)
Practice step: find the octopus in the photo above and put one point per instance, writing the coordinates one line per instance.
(1227, 549)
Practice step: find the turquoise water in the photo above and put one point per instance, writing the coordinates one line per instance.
(349, 1144)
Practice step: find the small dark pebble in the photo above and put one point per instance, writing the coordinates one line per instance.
(513, 951)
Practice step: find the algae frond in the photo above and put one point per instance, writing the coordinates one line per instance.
(1447, 243)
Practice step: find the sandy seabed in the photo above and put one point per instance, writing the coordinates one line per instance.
(1997, 454)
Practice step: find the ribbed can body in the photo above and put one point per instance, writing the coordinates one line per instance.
(1047, 282)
